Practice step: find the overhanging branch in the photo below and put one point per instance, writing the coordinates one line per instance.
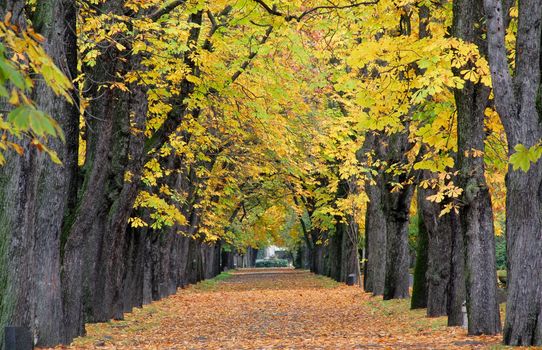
(253, 54)
(166, 9)
(273, 11)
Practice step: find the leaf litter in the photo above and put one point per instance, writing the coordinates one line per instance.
(277, 309)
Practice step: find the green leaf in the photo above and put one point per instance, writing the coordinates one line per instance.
(521, 159)
(10, 73)
(20, 117)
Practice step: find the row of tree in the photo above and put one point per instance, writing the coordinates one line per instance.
(143, 152)
(145, 144)
(408, 152)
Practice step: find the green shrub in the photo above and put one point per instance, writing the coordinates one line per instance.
(500, 252)
(272, 263)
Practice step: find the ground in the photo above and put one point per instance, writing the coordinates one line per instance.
(277, 309)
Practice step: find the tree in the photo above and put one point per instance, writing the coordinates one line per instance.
(34, 190)
(445, 255)
(516, 100)
(476, 216)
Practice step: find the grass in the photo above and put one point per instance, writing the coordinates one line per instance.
(326, 282)
(211, 284)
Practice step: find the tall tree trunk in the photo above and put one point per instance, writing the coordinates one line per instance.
(476, 215)
(397, 201)
(440, 232)
(397, 210)
(350, 254)
(35, 192)
(317, 256)
(517, 99)
(396, 285)
(133, 285)
(456, 286)
(375, 227)
(445, 260)
(335, 250)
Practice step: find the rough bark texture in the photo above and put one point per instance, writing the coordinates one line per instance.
(335, 251)
(57, 186)
(441, 231)
(456, 286)
(476, 213)
(397, 210)
(16, 246)
(517, 100)
(445, 255)
(317, 256)
(350, 255)
(35, 192)
(375, 230)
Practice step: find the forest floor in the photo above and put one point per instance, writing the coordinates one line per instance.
(277, 309)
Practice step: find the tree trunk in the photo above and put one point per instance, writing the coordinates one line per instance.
(375, 227)
(440, 233)
(57, 186)
(396, 204)
(376, 240)
(397, 255)
(317, 258)
(135, 269)
(35, 192)
(335, 251)
(444, 276)
(517, 99)
(476, 215)
(456, 286)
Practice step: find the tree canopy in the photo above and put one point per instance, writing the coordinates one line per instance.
(323, 126)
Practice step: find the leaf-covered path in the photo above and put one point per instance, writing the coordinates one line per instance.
(277, 309)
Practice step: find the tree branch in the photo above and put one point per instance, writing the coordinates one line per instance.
(505, 99)
(179, 111)
(175, 117)
(253, 54)
(208, 46)
(166, 9)
(273, 11)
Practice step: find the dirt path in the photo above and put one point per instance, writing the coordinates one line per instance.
(277, 309)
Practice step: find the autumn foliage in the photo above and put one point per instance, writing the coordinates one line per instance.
(149, 145)
(277, 309)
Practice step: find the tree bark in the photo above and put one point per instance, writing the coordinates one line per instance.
(476, 215)
(440, 233)
(35, 192)
(456, 286)
(375, 228)
(317, 257)
(517, 101)
(397, 210)
(350, 254)
(335, 251)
